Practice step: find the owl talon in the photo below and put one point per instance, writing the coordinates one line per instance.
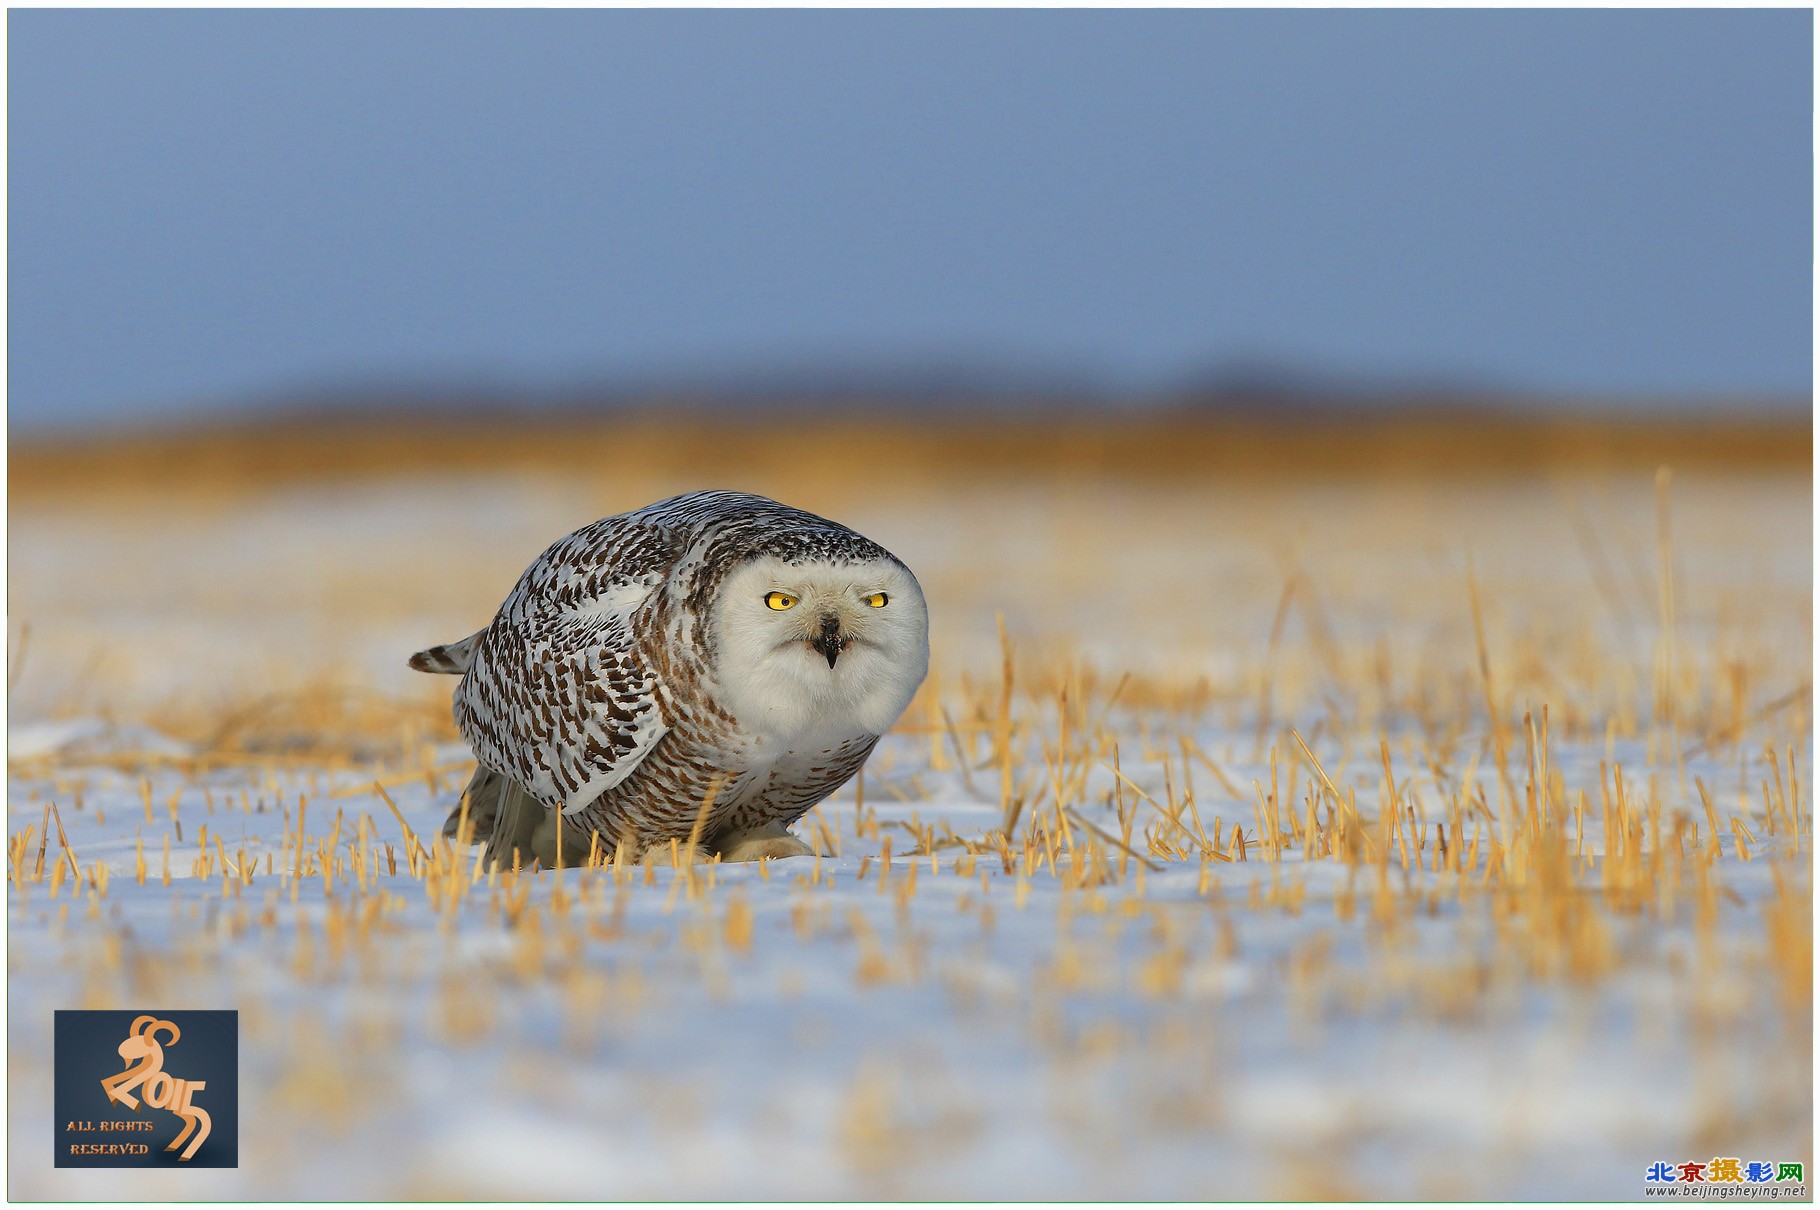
(661, 854)
(753, 846)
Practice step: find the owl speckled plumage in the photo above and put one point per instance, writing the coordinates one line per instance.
(710, 666)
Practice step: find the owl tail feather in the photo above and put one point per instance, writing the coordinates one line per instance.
(451, 658)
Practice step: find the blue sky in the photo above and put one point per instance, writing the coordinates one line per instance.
(223, 209)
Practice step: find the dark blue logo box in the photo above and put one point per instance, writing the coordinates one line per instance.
(175, 1076)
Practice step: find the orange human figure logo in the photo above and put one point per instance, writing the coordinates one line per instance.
(145, 1065)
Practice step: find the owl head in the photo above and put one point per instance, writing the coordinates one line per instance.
(810, 645)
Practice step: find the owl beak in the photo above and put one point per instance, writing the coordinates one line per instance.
(829, 641)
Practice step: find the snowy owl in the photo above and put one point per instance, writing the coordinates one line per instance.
(709, 666)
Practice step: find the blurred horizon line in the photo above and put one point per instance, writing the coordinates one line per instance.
(1243, 388)
(659, 449)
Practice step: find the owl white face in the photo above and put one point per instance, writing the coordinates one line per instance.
(817, 651)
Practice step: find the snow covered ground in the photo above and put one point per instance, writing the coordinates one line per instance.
(994, 1023)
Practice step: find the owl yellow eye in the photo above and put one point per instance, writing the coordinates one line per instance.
(779, 600)
(876, 600)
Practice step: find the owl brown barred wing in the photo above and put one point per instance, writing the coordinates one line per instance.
(559, 696)
(559, 700)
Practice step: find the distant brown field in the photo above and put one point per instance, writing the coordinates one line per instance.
(795, 449)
